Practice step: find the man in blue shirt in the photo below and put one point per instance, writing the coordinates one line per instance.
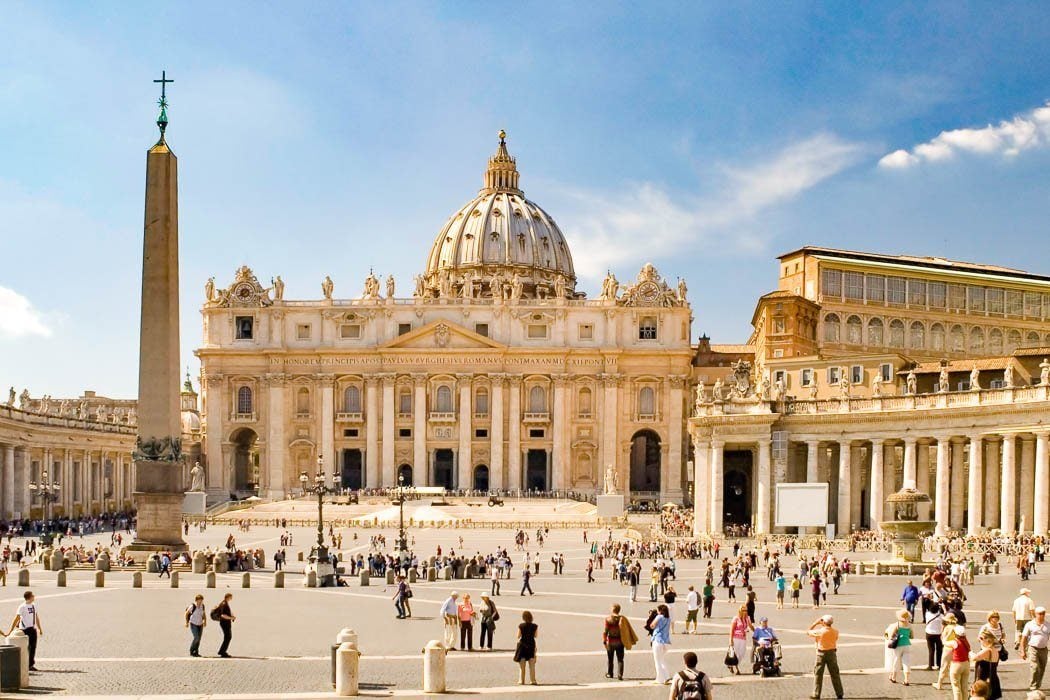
(910, 598)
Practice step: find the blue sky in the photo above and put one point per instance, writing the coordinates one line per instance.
(320, 139)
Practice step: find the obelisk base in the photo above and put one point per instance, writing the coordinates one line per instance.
(159, 526)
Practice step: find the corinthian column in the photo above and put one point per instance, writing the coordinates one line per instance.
(1042, 482)
(878, 498)
(701, 487)
(941, 500)
(1008, 507)
(560, 456)
(389, 471)
(371, 479)
(275, 440)
(762, 489)
(973, 505)
(845, 484)
(496, 432)
(466, 424)
(717, 478)
(420, 465)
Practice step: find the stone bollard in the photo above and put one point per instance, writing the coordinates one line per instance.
(174, 579)
(200, 563)
(434, 667)
(412, 576)
(347, 667)
(100, 579)
(278, 579)
(472, 570)
(222, 564)
(878, 569)
(364, 577)
(209, 579)
(152, 566)
(995, 567)
(432, 574)
(389, 576)
(310, 581)
(102, 563)
(19, 639)
(23, 577)
(446, 573)
(45, 558)
(246, 580)
(58, 561)
(346, 635)
(60, 579)
(136, 579)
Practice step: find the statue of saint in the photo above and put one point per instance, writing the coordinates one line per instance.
(610, 481)
(682, 289)
(45, 404)
(844, 384)
(609, 286)
(419, 290)
(197, 478)
(516, 287)
(496, 286)
(1044, 372)
(468, 287)
(82, 410)
(1008, 377)
(781, 386)
(209, 289)
(63, 407)
(975, 379)
(23, 400)
(327, 286)
(390, 286)
(942, 380)
(813, 387)
(876, 386)
(371, 286)
(912, 382)
(11, 397)
(278, 288)
(716, 393)
(100, 414)
(764, 389)
(559, 287)
(701, 390)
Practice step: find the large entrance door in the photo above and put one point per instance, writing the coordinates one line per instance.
(736, 488)
(245, 460)
(645, 462)
(443, 468)
(353, 475)
(481, 478)
(536, 470)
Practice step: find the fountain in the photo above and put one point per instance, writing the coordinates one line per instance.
(907, 530)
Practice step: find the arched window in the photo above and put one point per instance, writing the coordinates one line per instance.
(957, 339)
(1031, 339)
(896, 334)
(917, 336)
(481, 402)
(537, 400)
(832, 328)
(937, 337)
(302, 401)
(854, 331)
(444, 399)
(995, 341)
(1013, 341)
(647, 402)
(244, 400)
(976, 340)
(583, 406)
(875, 332)
(1048, 339)
(351, 400)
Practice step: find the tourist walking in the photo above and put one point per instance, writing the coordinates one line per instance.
(827, 640)
(960, 668)
(709, 597)
(1034, 639)
(450, 620)
(165, 565)
(526, 577)
(196, 619)
(225, 617)
(898, 647)
(692, 609)
(740, 630)
(489, 615)
(910, 598)
(613, 638)
(525, 649)
(465, 613)
(3, 570)
(494, 577)
(947, 635)
(691, 683)
(632, 583)
(933, 619)
(1024, 610)
(399, 597)
(661, 642)
(27, 619)
(986, 663)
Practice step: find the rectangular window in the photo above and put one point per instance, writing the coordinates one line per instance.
(831, 283)
(302, 331)
(350, 331)
(833, 375)
(856, 374)
(895, 290)
(647, 328)
(917, 292)
(779, 352)
(854, 285)
(996, 384)
(936, 294)
(586, 331)
(975, 298)
(876, 288)
(482, 329)
(957, 297)
(536, 432)
(537, 331)
(404, 403)
(780, 376)
(350, 432)
(1031, 304)
(995, 300)
(404, 432)
(806, 377)
(1014, 302)
(481, 433)
(245, 327)
(403, 328)
(886, 372)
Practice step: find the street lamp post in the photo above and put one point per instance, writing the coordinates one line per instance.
(321, 489)
(47, 489)
(402, 543)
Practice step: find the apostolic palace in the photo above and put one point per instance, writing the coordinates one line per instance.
(863, 371)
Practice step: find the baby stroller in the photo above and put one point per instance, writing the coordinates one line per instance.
(766, 657)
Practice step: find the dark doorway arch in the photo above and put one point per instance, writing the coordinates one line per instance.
(536, 470)
(736, 487)
(353, 474)
(404, 475)
(481, 478)
(645, 462)
(245, 460)
(444, 461)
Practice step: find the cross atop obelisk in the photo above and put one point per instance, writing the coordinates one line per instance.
(162, 119)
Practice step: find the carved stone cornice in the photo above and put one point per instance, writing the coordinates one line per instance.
(387, 378)
(326, 380)
(677, 381)
(611, 379)
(419, 378)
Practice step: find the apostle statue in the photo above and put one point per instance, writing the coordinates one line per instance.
(390, 286)
(371, 286)
(209, 289)
(516, 287)
(1044, 372)
(196, 478)
(467, 289)
(327, 286)
(496, 286)
(975, 379)
(278, 288)
(912, 382)
(610, 286)
(682, 289)
(23, 400)
(419, 290)
(1008, 377)
(11, 397)
(559, 287)
(942, 380)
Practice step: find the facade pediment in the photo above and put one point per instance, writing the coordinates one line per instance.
(442, 335)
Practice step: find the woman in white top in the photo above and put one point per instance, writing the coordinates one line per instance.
(933, 617)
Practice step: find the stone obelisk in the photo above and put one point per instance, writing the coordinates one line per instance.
(158, 451)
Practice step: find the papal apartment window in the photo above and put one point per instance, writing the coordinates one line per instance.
(482, 329)
(302, 331)
(403, 328)
(833, 375)
(856, 374)
(245, 327)
(807, 377)
(885, 372)
(350, 331)
(586, 331)
(647, 328)
(537, 331)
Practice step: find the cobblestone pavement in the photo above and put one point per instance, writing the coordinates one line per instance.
(119, 641)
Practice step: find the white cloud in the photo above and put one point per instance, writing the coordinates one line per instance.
(1008, 138)
(648, 222)
(18, 317)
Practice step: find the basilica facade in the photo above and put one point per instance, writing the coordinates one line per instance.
(494, 373)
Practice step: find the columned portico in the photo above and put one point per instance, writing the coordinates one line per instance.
(717, 497)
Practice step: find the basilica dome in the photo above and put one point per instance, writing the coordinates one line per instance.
(499, 241)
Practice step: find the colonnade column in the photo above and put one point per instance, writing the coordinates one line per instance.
(1027, 482)
(275, 440)
(371, 479)
(1042, 483)
(701, 486)
(496, 433)
(877, 497)
(942, 500)
(842, 523)
(910, 469)
(1008, 506)
(388, 468)
(420, 464)
(973, 501)
(717, 477)
(331, 460)
(956, 509)
(514, 434)
(992, 484)
(812, 465)
(9, 481)
(762, 488)
(67, 479)
(466, 424)
(922, 476)
(559, 443)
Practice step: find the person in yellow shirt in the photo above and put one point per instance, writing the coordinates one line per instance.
(827, 639)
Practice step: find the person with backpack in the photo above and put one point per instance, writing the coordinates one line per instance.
(691, 683)
(222, 614)
(196, 619)
(489, 618)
